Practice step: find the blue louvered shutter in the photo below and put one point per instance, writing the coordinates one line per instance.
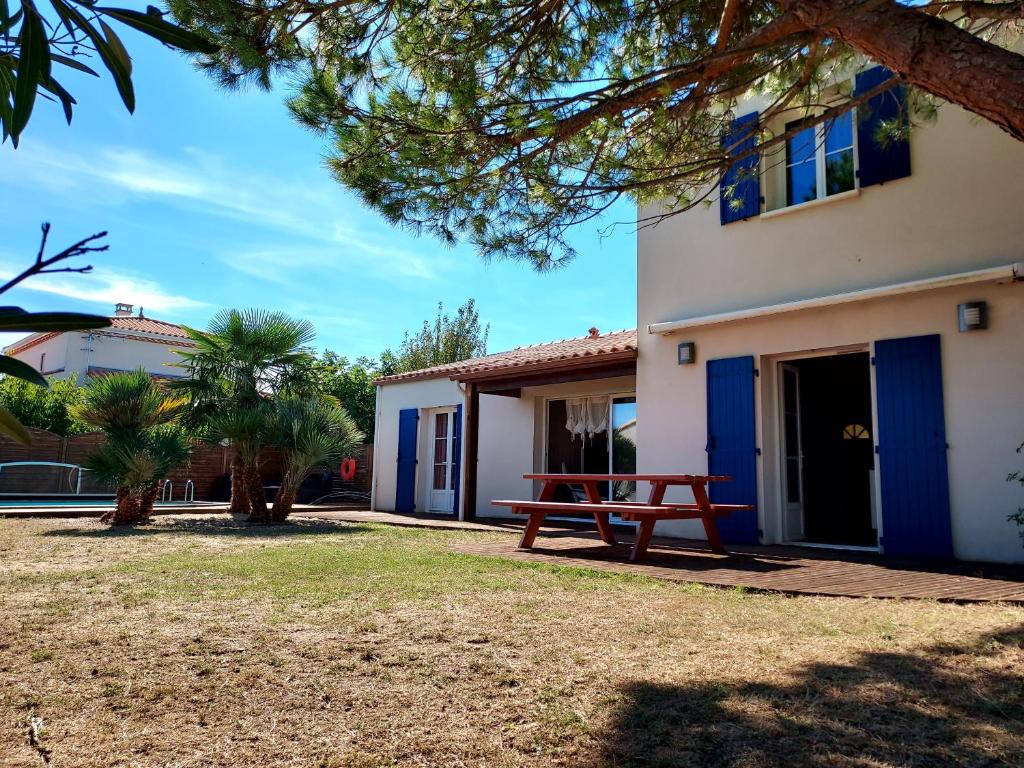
(732, 444)
(880, 162)
(912, 448)
(405, 488)
(739, 193)
(457, 460)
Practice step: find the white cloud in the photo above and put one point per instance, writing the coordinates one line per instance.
(314, 214)
(107, 289)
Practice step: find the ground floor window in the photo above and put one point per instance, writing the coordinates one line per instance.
(593, 435)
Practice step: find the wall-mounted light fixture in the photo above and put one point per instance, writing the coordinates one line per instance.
(972, 316)
(687, 353)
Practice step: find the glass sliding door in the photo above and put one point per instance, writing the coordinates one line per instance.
(623, 446)
(609, 450)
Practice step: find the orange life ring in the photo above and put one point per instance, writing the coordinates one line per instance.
(348, 469)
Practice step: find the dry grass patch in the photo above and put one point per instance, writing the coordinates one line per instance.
(195, 642)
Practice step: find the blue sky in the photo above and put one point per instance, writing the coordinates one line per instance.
(216, 199)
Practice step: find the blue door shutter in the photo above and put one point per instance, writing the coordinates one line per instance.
(739, 193)
(732, 444)
(880, 162)
(912, 448)
(457, 460)
(405, 493)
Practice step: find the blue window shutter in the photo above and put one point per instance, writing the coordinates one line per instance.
(912, 448)
(739, 193)
(457, 459)
(878, 163)
(732, 444)
(405, 493)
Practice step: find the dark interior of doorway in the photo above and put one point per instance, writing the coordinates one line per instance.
(837, 448)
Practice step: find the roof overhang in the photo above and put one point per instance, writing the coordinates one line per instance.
(1004, 274)
(511, 380)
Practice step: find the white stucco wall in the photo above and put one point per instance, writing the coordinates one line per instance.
(422, 394)
(984, 408)
(55, 362)
(71, 355)
(958, 210)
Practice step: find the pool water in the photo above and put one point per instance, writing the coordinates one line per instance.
(7, 503)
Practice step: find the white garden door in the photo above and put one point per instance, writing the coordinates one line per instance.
(442, 485)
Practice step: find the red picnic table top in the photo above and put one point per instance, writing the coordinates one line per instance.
(621, 477)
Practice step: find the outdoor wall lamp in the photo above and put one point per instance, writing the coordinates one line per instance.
(972, 316)
(687, 351)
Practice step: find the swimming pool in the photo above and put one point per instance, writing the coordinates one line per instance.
(22, 503)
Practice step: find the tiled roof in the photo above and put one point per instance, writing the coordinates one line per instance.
(585, 349)
(147, 325)
(132, 323)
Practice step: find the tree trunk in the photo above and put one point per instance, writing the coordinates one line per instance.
(147, 500)
(259, 513)
(239, 495)
(928, 52)
(127, 509)
(285, 498)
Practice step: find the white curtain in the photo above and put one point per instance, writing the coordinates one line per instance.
(587, 416)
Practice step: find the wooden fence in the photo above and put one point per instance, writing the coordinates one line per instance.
(208, 469)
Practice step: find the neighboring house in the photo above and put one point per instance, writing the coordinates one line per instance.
(131, 341)
(842, 336)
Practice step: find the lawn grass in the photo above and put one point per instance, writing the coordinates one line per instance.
(196, 642)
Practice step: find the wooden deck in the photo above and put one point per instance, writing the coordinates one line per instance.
(793, 570)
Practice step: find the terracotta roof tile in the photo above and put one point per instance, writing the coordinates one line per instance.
(538, 355)
(147, 325)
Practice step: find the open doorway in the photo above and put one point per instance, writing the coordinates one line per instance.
(828, 451)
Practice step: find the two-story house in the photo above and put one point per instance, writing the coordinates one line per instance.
(130, 342)
(843, 335)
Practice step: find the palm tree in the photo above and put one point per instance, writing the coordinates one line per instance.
(247, 430)
(310, 432)
(144, 442)
(242, 358)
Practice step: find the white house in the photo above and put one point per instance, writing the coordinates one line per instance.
(131, 341)
(842, 335)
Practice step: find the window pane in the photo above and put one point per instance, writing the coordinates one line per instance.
(624, 446)
(800, 147)
(839, 133)
(801, 168)
(793, 480)
(802, 183)
(439, 476)
(839, 172)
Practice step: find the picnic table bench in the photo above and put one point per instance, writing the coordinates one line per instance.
(645, 513)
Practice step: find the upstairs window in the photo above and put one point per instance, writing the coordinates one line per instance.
(819, 160)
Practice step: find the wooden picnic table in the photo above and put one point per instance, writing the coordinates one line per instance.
(645, 513)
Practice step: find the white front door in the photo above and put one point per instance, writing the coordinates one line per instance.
(792, 454)
(442, 486)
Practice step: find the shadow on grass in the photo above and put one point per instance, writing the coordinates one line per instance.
(221, 526)
(948, 705)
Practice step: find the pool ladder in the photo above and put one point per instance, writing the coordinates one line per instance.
(167, 491)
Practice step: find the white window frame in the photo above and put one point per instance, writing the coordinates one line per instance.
(820, 156)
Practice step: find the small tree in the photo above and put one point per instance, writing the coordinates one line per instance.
(139, 417)
(446, 340)
(351, 383)
(310, 433)
(46, 408)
